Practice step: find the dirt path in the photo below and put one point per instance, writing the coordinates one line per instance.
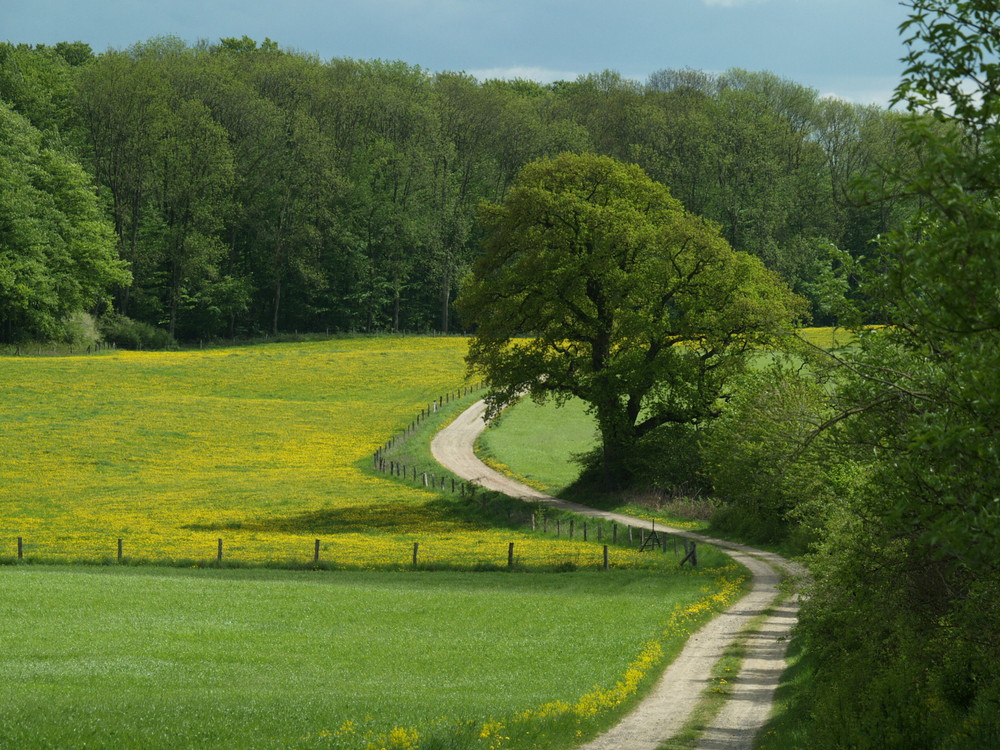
(664, 711)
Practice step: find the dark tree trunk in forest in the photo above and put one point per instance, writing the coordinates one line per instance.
(277, 305)
(445, 302)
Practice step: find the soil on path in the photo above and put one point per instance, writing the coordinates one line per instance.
(666, 709)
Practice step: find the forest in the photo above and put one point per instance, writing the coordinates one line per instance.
(237, 189)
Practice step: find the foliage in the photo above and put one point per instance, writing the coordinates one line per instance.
(342, 194)
(56, 252)
(124, 333)
(625, 300)
(907, 571)
(762, 456)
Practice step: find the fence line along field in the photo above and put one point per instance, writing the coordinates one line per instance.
(171, 451)
(265, 447)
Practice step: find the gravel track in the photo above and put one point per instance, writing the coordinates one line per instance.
(667, 707)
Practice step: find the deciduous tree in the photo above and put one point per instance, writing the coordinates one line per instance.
(56, 249)
(596, 283)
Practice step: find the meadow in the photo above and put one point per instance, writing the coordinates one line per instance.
(173, 658)
(269, 447)
(265, 447)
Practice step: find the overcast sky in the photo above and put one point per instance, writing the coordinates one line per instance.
(846, 48)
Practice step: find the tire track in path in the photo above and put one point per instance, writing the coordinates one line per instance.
(666, 709)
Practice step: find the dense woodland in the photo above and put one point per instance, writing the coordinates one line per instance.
(243, 189)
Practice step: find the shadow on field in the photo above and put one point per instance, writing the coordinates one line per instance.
(381, 517)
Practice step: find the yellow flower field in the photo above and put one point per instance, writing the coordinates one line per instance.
(264, 447)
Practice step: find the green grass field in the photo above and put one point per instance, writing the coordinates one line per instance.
(267, 657)
(169, 658)
(537, 442)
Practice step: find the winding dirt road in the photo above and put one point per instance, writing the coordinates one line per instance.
(666, 709)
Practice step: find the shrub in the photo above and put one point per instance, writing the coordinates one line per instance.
(81, 330)
(760, 456)
(126, 333)
(667, 461)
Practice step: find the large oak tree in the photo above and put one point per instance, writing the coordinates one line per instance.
(596, 283)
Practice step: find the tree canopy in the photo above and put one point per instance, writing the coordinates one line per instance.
(906, 567)
(254, 189)
(57, 253)
(596, 283)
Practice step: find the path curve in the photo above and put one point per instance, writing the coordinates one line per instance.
(665, 710)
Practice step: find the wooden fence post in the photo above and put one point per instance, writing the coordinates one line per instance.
(20, 548)
(605, 557)
(119, 550)
(220, 551)
(416, 546)
(614, 532)
(316, 552)
(691, 555)
(510, 555)
(571, 529)
(584, 531)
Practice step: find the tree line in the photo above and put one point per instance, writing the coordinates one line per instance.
(238, 188)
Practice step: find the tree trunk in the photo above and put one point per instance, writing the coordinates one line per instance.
(176, 277)
(617, 444)
(277, 305)
(445, 302)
